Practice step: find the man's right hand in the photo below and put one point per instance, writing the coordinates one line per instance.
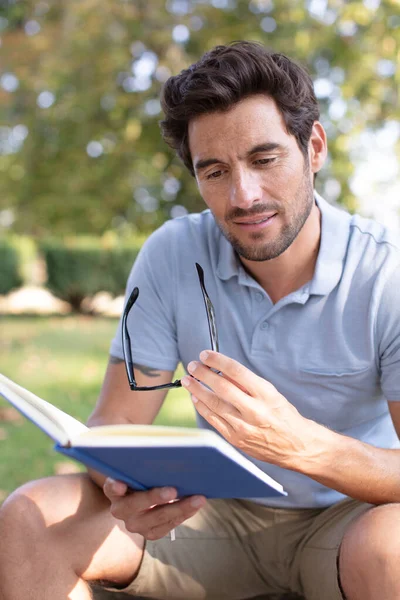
(153, 513)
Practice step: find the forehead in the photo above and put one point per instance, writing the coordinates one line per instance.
(251, 121)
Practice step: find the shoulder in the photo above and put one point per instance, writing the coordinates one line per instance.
(373, 260)
(375, 245)
(376, 233)
(184, 234)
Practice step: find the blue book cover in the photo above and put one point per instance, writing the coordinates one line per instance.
(145, 456)
(192, 469)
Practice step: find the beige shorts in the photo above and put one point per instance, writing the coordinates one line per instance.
(236, 549)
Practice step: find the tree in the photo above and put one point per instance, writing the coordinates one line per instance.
(80, 148)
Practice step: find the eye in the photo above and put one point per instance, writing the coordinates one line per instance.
(264, 161)
(214, 174)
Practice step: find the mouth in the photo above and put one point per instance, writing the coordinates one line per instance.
(256, 222)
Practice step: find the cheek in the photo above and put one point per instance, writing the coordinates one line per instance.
(214, 196)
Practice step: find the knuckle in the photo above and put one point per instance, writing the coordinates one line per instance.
(132, 526)
(238, 429)
(159, 518)
(115, 510)
(223, 386)
(152, 534)
(240, 444)
(217, 404)
(235, 369)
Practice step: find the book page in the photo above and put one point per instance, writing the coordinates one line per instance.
(57, 424)
(160, 432)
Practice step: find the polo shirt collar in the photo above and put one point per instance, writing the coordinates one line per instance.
(335, 225)
(335, 229)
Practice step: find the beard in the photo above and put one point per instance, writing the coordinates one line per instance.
(303, 203)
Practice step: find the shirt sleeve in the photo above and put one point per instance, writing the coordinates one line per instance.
(388, 335)
(151, 321)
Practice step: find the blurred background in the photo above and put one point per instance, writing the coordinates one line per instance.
(85, 176)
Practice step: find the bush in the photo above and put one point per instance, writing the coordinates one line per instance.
(81, 267)
(26, 249)
(9, 267)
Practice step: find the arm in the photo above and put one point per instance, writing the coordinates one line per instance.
(357, 469)
(153, 335)
(252, 415)
(118, 404)
(149, 513)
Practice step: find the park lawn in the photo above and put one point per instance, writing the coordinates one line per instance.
(63, 360)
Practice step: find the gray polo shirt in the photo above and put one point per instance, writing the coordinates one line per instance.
(332, 347)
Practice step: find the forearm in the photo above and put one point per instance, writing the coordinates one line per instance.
(253, 416)
(118, 405)
(354, 468)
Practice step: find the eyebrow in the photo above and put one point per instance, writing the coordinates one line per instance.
(267, 147)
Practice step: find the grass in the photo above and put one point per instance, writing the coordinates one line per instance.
(63, 360)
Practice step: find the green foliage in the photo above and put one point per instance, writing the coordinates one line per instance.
(26, 249)
(89, 56)
(9, 267)
(81, 267)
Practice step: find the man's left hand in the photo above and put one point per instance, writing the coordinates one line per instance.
(247, 410)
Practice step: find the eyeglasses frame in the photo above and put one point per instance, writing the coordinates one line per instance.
(126, 340)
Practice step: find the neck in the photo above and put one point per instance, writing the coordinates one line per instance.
(286, 273)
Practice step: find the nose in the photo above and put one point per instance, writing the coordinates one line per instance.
(245, 189)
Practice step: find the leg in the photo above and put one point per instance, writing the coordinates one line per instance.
(314, 571)
(370, 554)
(57, 535)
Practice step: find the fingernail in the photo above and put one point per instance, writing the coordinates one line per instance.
(197, 501)
(204, 355)
(185, 381)
(117, 486)
(168, 493)
(191, 367)
(194, 399)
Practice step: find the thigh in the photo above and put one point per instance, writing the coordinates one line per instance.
(67, 518)
(315, 568)
(212, 556)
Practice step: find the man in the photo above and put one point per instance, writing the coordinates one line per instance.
(307, 302)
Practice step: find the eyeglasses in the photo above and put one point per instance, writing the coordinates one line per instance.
(126, 340)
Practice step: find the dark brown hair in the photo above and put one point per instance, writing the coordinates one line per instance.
(227, 74)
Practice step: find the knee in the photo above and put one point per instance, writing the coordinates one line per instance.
(20, 513)
(372, 542)
(20, 527)
(38, 505)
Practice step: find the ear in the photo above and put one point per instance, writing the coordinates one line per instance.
(317, 148)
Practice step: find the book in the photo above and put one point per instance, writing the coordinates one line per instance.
(194, 461)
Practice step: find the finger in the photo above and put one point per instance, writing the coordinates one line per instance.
(221, 424)
(222, 387)
(208, 397)
(235, 371)
(159, 521)
(137, 503)
(113, 488)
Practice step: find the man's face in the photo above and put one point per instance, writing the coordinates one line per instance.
(253, 177)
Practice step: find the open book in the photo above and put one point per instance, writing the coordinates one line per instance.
(194, 461)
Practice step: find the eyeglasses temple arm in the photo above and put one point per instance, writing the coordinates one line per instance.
(209, 310)
(126, 347)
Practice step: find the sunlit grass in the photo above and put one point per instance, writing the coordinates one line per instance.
(63, 360)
